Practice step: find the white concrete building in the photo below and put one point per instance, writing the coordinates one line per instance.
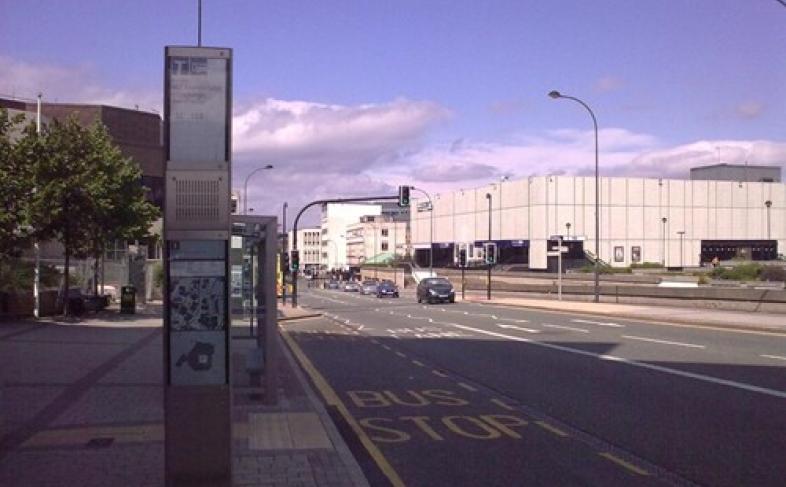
(336, 217)
(375, 236)
(718, 218)
(309, 244)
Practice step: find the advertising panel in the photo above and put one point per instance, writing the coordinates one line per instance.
(197, 110)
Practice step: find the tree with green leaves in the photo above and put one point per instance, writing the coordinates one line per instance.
(87, 192)
(121, 210)
(16, 185)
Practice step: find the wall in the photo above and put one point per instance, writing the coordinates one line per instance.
(631, 212)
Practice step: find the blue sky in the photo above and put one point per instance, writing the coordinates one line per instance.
(381, 90)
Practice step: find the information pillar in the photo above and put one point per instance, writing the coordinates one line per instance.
(197, 227)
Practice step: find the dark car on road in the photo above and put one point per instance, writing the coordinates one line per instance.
(436, 290)
(387, 288)
(332, 284)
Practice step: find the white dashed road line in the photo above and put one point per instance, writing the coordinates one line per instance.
(664, 342)
(667, 370)
(518, 328)
(599, 323)
(580, 330)
(776, 357)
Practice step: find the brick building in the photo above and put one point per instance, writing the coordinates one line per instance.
(137, 133)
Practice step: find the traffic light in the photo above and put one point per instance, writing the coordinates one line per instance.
(295, 263)
(233, 204)
(463, 258)
(403, 196)
(284, 262)
(491, 257)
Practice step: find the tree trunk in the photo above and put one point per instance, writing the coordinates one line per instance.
(96, 259)
(66, 273)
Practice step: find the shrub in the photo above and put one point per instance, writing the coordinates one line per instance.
(741, 272)
(647, 265)
(158, 275)
(772, 273)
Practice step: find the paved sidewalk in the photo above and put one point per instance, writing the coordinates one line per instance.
(81, 403)
(293, 443)
(693, 316)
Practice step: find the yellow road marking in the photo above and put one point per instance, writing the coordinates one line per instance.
(623, 463)
(402, 355)
(418, 363)
(551, 428)
(438, 373)
(503, 405)
(75, 436)
(466, 386)
(332, 399)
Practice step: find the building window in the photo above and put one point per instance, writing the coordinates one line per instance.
(384, 232)
(384, 245)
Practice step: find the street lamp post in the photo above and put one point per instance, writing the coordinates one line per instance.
(663, 250)
(768, 204)
(488, 249)
(681, 233)
(555, 95)
(430, 232)
(567, 230)
(284, 252)
(245, 186)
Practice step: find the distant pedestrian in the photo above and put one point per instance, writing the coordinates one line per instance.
(715, 261)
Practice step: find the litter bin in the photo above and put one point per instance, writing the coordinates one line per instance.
(128, 299)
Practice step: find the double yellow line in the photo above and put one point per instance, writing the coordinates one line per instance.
(332, 399)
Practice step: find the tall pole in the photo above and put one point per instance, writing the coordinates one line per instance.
(488, 249)
(430, 232)
(768, 204)
(199, 23)
(37, 270)
(374, 252)
(559, 268)
(663, 250)
(555, 95)
(245, 186)
(284, 251)
(681, 233)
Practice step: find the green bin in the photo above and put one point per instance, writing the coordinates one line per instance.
(128, 299)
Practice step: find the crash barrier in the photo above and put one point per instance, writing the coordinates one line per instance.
(706, 293)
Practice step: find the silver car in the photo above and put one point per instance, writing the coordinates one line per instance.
(368, 287)
(351, 286)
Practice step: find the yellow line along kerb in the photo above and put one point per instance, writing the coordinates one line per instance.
(623, 463)
(332, 399)
(551, 429)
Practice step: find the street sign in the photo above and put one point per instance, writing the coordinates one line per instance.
(424, 206)
(559, 249)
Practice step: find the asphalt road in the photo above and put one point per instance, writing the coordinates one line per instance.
(472, 394)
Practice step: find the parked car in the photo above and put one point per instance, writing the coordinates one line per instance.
(435, 290)
(331, 284)
(387, 288)
(368, 287)
(351, 286)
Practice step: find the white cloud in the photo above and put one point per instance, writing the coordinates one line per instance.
(749, 109)
(608, 83)
(69, 84)
(336, 138)
(622, 153)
